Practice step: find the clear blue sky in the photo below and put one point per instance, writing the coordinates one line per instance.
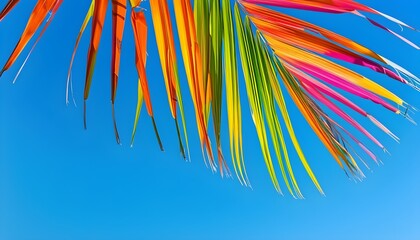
(58, 181)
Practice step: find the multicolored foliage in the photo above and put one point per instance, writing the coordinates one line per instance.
(278, 55)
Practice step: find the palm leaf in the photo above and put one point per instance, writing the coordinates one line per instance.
(277, 54)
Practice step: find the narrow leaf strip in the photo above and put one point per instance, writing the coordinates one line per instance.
(88, 16)
(232, 94)
(216, 71)
(9, 6)
(99, 13)
(119, 10)
(138, 21)
(39, 13)
(46, 25)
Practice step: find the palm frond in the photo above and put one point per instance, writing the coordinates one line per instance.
(277, 54)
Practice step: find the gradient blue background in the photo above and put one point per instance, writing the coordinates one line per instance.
(58, 181)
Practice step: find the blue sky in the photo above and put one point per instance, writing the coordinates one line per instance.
(58, 181)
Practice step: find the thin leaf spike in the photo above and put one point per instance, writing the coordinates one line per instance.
(88, 16)
(99, 13)
(216, 72)
(38, 15)
(232, 94)
(43, 30)
(119, 11)
(138, 21)
(160, 17)
(7, 8)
